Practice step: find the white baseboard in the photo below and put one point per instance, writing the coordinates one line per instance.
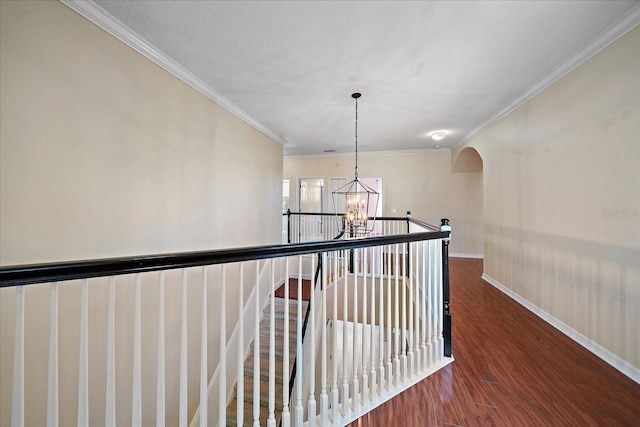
(462, 255)
(612, 359)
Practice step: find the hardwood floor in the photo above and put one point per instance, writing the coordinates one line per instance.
(511, 369)
(293, 290)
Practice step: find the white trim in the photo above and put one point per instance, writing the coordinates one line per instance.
(94, 13)
(390, 394)
(613, 33)
(463, 255)
(408, 151)
(612, 359)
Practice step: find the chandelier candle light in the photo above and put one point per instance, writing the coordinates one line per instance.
(357, 200)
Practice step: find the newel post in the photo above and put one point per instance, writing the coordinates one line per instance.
(288, 225)
(444, 226)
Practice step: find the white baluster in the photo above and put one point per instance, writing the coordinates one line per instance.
(335, 397)
(389, 325)
(381, 348)
(312, 349)
(182, 413)
(372, 355)
(160, 374)
(256, 352)
(240, 368)
(53, 403)
(286, 416)
(136, 405)
(396, 349)
(299, 364)
(431, 286)
(204, 375)
(324, 398)
(418, 305)
(403, 312)
(365, 332)
(355, 391)
(412, 302)
(381, 373)
(425, 302)
(346, 408)
(421, 313)
(222, 346)
(271, 421)
(17, 404)
(110, 405)
(83, 363)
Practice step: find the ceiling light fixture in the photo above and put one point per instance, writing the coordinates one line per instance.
(356, 201)
(438, 135)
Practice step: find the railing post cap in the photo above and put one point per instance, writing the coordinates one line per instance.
(444, 226)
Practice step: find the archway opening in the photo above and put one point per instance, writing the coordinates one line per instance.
(467, 174)
(468, 160)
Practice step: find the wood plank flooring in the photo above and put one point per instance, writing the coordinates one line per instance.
(293, 290)
(511, 369)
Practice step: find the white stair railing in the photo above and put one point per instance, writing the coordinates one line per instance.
(374, 329)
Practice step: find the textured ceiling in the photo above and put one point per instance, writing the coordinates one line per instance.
(291, 66)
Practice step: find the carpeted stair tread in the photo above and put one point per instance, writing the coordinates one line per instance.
(265, 349)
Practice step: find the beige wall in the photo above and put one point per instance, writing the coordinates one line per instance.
(562, 203)
(422, 183)
(106, 154)
(103, 153)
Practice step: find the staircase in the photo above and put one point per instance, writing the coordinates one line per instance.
(280, 378)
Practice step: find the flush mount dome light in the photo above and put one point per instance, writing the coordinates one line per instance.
(438, 135)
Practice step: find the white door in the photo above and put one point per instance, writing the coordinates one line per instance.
(310, 200)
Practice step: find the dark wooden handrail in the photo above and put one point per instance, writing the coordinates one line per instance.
(380, 218)
(55, 272)
(424, 224)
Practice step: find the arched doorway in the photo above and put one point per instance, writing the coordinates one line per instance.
(468, 167)
(468, 160)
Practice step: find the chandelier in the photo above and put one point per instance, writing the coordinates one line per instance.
(356, 202)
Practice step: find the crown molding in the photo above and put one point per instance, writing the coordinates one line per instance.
(610, 35)
(95, 14)
(372, 153)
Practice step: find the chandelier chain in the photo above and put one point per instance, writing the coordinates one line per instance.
(356, 139)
